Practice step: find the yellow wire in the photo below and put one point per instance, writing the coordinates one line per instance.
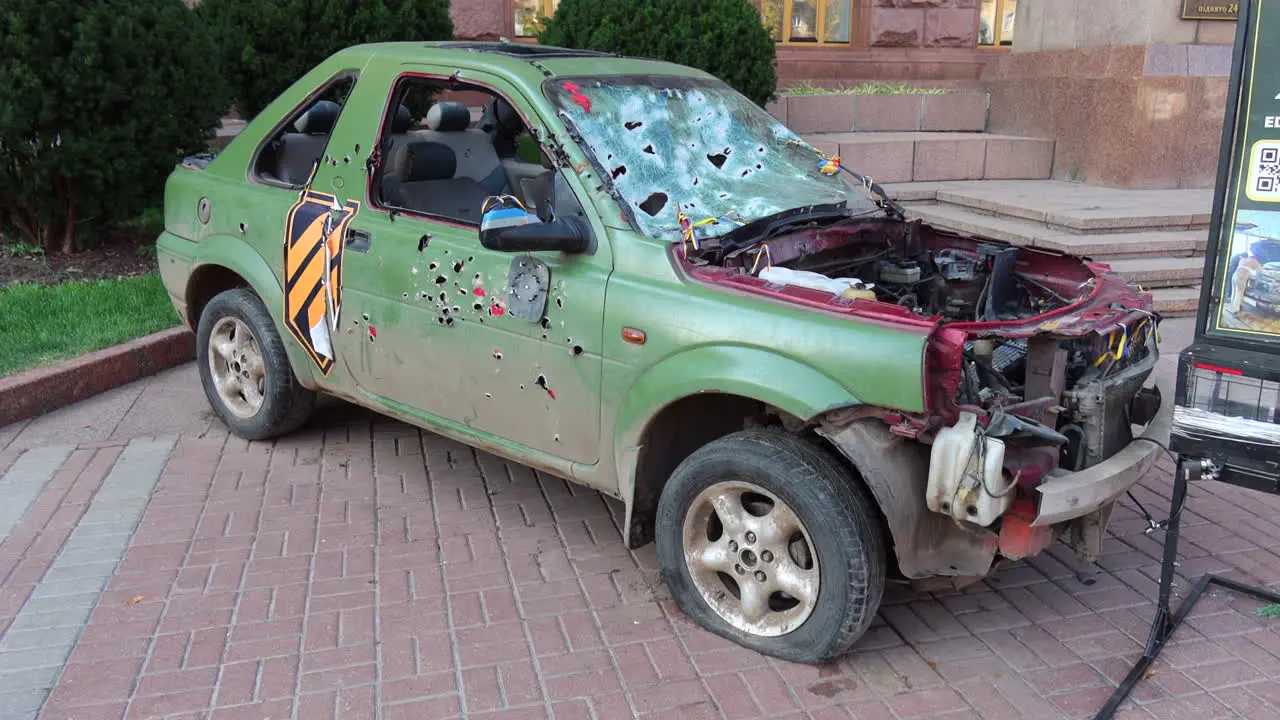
(499, 198)
(1115, 350)
(687, 236)
(762, 252)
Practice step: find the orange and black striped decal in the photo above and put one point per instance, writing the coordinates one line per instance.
(313, 249)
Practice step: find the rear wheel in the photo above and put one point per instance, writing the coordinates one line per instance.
(245, 370)
(767, 540)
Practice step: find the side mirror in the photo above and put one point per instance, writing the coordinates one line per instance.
(563, 235)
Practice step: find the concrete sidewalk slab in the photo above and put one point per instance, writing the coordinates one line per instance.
(170, 401)
(34, 392)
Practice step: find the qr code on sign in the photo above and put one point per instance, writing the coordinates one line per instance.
(1264, 172)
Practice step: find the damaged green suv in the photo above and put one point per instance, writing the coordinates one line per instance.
(623, 273)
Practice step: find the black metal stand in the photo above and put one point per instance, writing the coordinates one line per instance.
(1166, 621)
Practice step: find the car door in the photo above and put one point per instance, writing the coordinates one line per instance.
(384, 334)
(262, 210)
(543, 343)
(427, 322)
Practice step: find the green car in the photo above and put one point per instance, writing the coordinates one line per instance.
(623, 273)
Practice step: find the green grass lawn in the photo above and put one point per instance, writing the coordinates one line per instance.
(42, 324)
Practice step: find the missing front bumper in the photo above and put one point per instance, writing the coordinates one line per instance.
(1069, 495)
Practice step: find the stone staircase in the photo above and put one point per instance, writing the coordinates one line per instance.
(915, 138)
(1156, 238)
(896, 157)
(935, 156)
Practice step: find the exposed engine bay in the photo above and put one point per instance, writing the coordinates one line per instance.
(910, 265)
(1036, 359)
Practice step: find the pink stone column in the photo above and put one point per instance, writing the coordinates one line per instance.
(481, 18)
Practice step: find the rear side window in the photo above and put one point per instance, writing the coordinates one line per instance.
(291, 153)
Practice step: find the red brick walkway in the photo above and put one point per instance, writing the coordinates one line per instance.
(362, 569)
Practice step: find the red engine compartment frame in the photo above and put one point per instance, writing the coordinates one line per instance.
(1103, 302)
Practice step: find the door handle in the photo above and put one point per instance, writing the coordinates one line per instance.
(358, 240)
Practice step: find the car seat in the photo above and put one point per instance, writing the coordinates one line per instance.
(422, 177)
(503, 125)
(449, 123)
(297, 152)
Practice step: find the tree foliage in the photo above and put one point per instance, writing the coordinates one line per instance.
(726, 38)
(266, 45)
(100, 99)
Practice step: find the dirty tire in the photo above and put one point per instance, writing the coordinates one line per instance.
(286, 404)
(836, 511)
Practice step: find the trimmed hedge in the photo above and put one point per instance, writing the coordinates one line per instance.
(726, 38)
(266, 45)
(100, 99)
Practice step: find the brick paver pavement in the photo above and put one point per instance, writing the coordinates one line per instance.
(364, 569)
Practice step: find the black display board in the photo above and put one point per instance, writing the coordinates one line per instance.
(1226, 419)
(1228, 395)
(1240, 294)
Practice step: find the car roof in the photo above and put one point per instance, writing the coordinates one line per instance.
(522, 59)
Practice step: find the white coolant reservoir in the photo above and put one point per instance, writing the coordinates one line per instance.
(962, 462)
(813, 280)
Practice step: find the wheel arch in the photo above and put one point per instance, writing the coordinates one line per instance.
(206, 282)
(225, 263)
(700, 395)
(925, 544)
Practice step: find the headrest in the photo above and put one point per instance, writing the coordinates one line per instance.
(448, 117)
(401, 121)
(509, 121)
(319, 119)
(429, 161)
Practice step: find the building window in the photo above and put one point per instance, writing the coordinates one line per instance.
(808, 21)
(995, 22)
(531, 15)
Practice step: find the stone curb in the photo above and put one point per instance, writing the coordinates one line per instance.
(35, 392)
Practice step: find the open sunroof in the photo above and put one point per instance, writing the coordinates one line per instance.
(523, 50)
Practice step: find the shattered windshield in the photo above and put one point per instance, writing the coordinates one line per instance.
(696, 147)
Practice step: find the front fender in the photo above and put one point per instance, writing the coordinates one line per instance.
(755, 373)
(748, 372)
(895, 469)
(237, 256)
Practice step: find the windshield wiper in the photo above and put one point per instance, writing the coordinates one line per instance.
(771, 225)
(888, 204)
(879, 196)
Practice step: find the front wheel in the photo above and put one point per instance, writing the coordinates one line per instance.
(245, 369)
(767, 540)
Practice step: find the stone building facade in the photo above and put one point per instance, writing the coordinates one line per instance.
(944, 42)
(1132, 94)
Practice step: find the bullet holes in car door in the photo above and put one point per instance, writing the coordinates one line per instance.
(531, 376)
